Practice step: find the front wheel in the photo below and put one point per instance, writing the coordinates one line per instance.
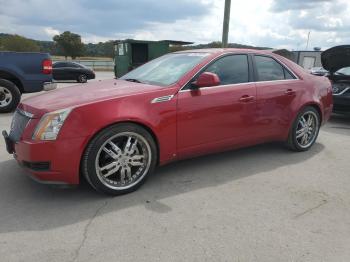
(119, 159)
(305, 129)
(82, 78)
(10, 96)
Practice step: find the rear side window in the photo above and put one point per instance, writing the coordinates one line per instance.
(269, 69)
(73, 65)
(231, 69)
(58, 65)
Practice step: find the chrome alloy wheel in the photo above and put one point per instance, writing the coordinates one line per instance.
(123, 160)
(307, 129)
(5, 97)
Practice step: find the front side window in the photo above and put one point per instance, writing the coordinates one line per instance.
(166, 70)
(232, 69)
(269, 69)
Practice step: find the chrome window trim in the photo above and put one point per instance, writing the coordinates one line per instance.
(233, 85)
(253, 82)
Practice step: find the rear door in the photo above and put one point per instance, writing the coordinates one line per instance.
(59, 71)
(216, 117)
(277, 89)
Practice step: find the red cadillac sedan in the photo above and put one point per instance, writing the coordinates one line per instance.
(114, 133)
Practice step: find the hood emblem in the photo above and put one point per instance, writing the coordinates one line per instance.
(162, 99)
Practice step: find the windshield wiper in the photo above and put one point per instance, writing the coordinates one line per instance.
(133, 80)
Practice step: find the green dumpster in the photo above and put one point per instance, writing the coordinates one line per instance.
(131, 53)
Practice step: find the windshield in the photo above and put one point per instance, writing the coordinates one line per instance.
(344, 71)
(165, 70)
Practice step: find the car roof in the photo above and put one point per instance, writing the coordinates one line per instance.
(227, 50)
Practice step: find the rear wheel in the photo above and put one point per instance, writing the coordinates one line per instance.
(10, 96)
(305, 129)
(82, 78)
(119, 159)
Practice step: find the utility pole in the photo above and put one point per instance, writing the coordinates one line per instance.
(308, 40)
(226, 23)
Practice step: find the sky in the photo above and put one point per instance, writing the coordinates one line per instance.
(269, 23)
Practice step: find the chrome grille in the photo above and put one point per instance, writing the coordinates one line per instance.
(19, 122)
(340, 88)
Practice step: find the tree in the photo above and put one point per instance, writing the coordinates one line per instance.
(18, 44)
(102, 49)
(70, 44)
(216, 44)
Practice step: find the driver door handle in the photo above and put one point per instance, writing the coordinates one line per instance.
(246, 99)
(289, 92)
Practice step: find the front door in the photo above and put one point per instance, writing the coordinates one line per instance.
(212, 118)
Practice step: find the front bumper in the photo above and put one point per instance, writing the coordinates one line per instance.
(341, 103)
(9, 144)
(49, 162)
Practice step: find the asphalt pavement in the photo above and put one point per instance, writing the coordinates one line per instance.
(262, 203)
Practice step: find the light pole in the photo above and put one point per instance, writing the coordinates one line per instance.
(226, 23)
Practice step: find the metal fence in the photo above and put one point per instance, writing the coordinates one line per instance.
(97, 65)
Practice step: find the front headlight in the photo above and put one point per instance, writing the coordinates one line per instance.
(50, 125)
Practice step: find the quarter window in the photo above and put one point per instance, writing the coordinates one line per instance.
(269, 69)
(231, 69)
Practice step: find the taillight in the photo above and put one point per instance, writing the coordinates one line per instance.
(47, 66)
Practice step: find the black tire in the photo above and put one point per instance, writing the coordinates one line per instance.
(293, 143)
(10, 96)
(82, 78)
(94, 151)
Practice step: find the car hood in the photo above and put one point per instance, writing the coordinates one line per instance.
(336, 58)
(74, 96)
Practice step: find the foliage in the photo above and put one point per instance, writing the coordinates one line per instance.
(215, 44)
(18, 44)
(102, 49)
(69, 44)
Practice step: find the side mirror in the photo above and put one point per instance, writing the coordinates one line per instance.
(206, 79)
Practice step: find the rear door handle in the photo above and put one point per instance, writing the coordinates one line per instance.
(289, 92)
(246, 99)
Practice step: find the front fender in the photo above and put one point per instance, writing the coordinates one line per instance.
(160, 118)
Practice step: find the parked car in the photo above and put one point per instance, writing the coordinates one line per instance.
(72, 71)
(337, 61)
(184, 104)
(23, 73)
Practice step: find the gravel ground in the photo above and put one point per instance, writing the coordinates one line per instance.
(262, 203)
